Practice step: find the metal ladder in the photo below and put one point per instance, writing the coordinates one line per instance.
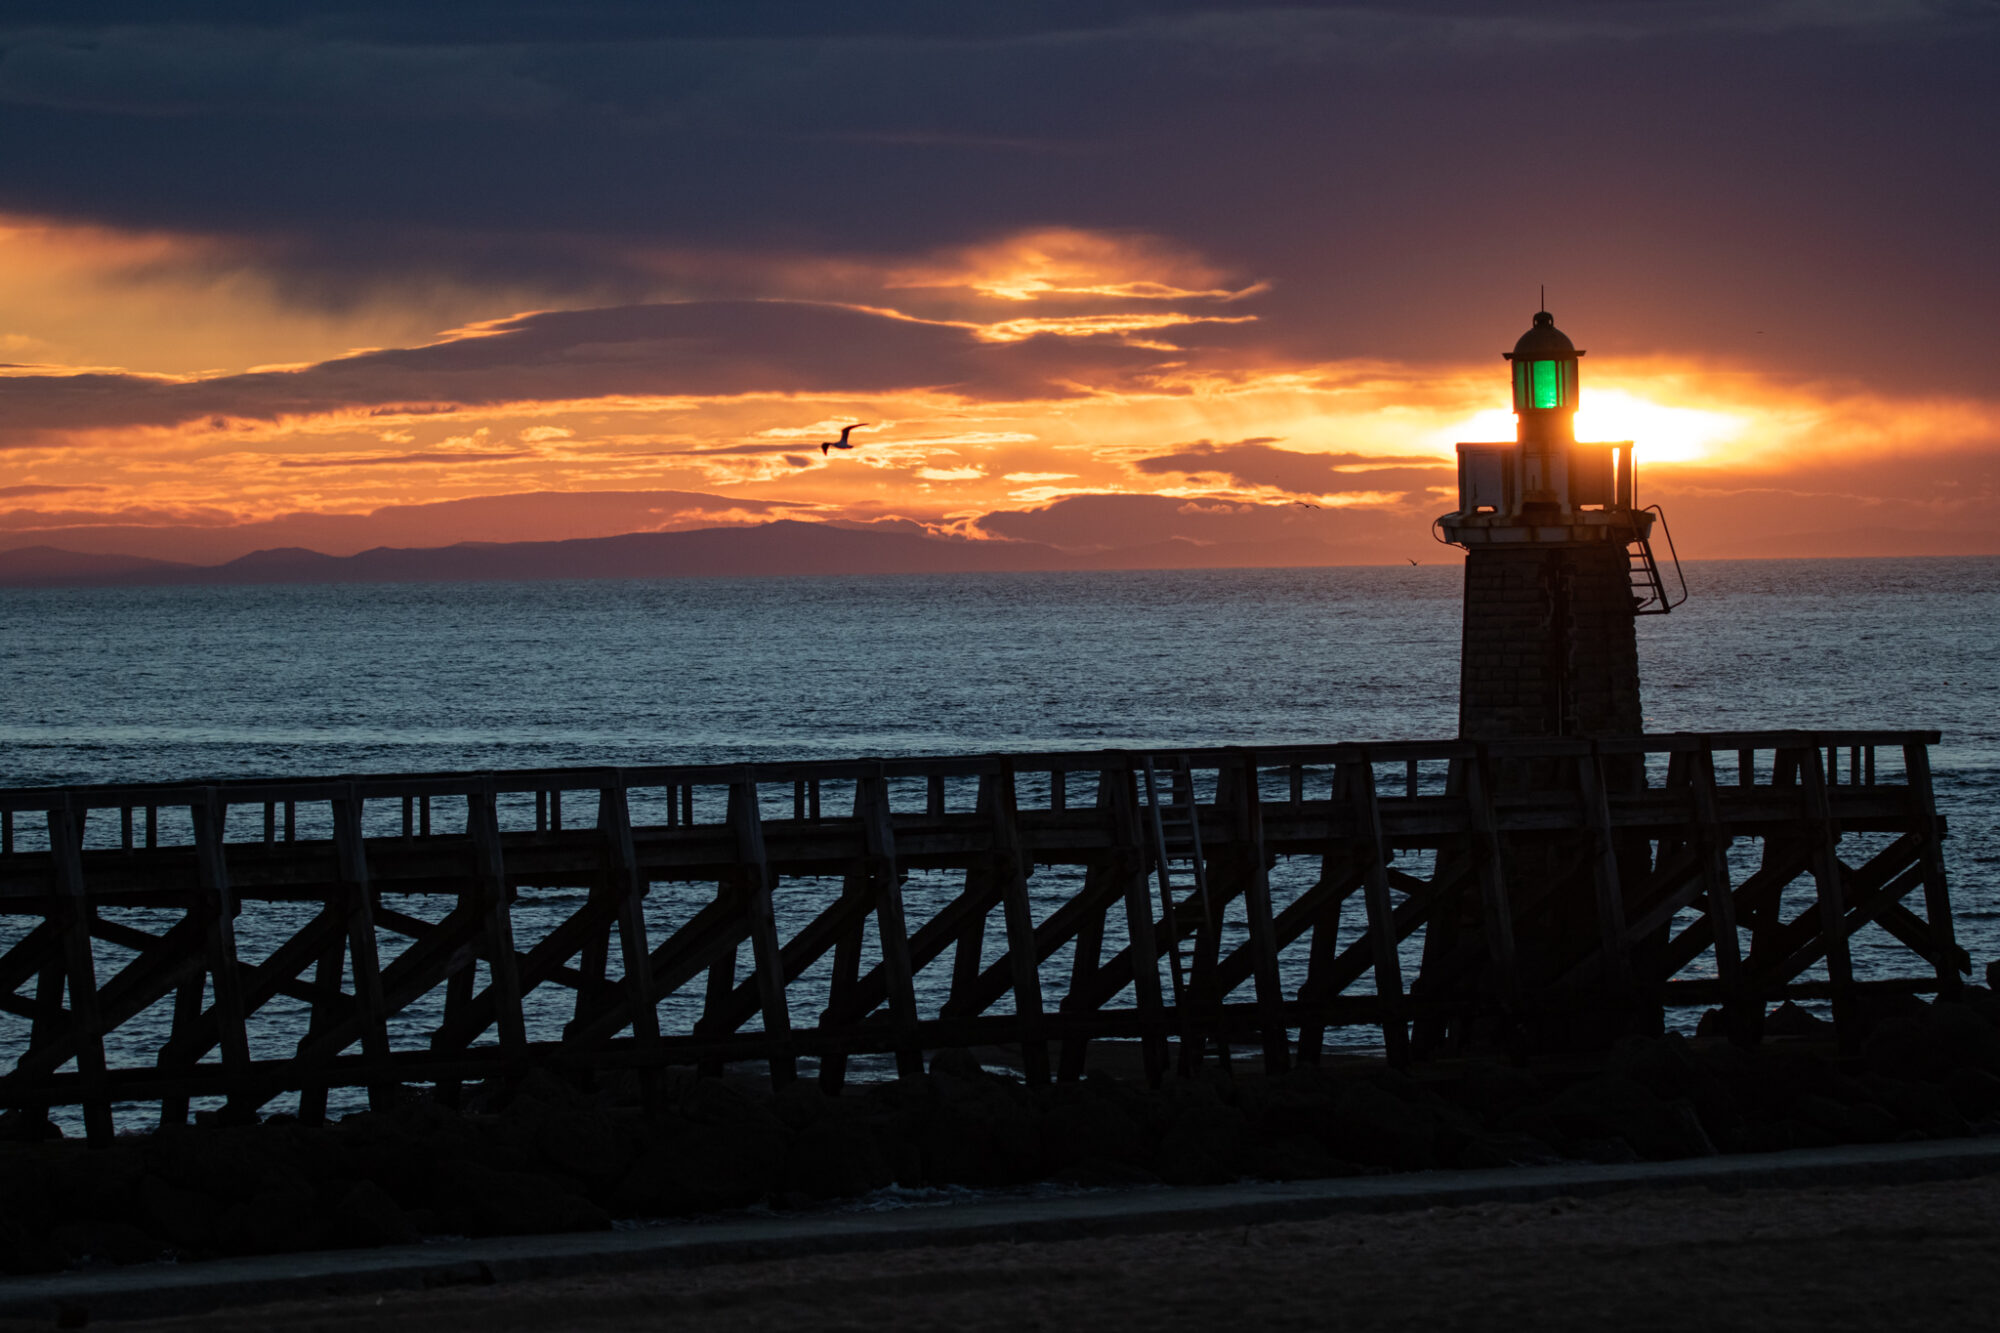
(1649, 591)
(1176, 828)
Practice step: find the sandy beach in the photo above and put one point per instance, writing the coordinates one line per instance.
(1912, 1256)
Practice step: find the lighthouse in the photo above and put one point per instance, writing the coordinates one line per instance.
(1559, 562)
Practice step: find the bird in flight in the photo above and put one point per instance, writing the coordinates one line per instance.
(1408, 558)
(842, 442)
(1302, 502)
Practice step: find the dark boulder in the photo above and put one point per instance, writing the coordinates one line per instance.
(1493, 1090)
(1613, 1106)
(25, 1126)
(1847, 1122)
(1295, 1157)
(224, 1162)
(281, 1215)
(1082, 1127)
(1909, 1047)
(1974, 1040)
(87, 1184)
(833, 1158)
(480, 1201)
(1496, 1149)
(1377, 1128)
(1924, 1108)
(366, 1215)
(1788, 1020)
(1974, 1092)
(1204, 1146)
(25, 1250)
(1094, 1173)
(106, 1242)
(184, 1218)
(1605, 1152)
(592, 1147)
(984, 1131)
(704, 1168)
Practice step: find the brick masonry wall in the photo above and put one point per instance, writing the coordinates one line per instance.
(1548, 647)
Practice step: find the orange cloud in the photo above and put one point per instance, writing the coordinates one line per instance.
(1079, 411)
(1067, 262)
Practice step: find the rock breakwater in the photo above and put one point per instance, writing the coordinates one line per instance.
(547, 1156)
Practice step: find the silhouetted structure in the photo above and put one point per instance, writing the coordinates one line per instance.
(1559, 562)
(389, 908)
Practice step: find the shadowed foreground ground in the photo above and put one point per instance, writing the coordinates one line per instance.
(1915, 1256)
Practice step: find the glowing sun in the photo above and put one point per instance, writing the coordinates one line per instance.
(1662, 434)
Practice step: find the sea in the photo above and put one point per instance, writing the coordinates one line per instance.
(143, 684)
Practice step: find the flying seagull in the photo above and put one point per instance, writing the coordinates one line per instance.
(1408, 558)
(842, 442)
(1302, 502)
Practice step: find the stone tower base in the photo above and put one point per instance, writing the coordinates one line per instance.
(1548, 647)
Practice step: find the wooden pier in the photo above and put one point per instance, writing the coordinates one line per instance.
(393, 909)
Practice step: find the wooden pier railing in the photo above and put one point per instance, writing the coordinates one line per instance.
(158, 940)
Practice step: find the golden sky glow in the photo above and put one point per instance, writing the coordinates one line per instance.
(1149, 374)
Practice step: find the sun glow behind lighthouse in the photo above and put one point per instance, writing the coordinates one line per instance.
(1663, 434)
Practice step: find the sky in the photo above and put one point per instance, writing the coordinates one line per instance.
(1095, 273)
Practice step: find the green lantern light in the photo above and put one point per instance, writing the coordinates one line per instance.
(1544, 368)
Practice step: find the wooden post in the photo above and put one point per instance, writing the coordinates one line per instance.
(1374, 855)
(754, 868)
(1826, 872)
(629, 888)
(1742, 1014)
(1087, 957)
(1249, 819)
(1495, 910)
(482, 819)
(968, 952)
(357, 899)
(1615, 948)
(841, 987)
(871, 805)
(1324, 945)
(187, 1017)
(325, 1007)
(80, 970)
(1937, 899)
(1131, 867)
(1009, 866)
(210, 816)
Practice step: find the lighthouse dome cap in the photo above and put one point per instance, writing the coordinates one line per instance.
(1544, 342)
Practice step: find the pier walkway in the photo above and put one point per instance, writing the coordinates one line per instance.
(443, 928)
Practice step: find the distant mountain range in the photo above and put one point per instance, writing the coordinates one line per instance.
(784, 547)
